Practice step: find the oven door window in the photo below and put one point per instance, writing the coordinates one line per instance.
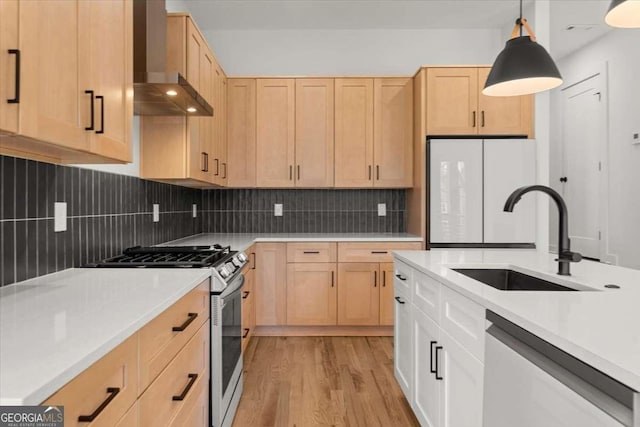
(231, 336)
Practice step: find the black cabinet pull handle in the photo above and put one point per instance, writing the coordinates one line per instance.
(245, 294)
(205, 166)
(438, 377)
(92, 125)
(181, 396)
(224, 168)
(310, 252)
(332, 279)
(191, 318)
(298, 172)
(246, 332)
(369, 172)
(254, 260)
(379, 252)
(474, 119)
(384, 279)
(375, 279)
(377, 172)
(431, 368)
(399, 300)
(101, 98)
(217, 167)
(290, 173)
(401, 277)
(16, 96)
(482, 118)
(113, 392)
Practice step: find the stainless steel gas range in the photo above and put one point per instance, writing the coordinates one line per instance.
(227, 278)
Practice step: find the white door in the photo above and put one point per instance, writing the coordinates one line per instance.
(455, 176)
(462, 390)
(426, 388)
(402, 345)
(509, 164)
(583, 124)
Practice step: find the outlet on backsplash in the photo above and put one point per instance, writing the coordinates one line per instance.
(382, 209)
(277, 209)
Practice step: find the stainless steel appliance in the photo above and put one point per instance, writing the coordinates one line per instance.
(530, 383)
(227, 279)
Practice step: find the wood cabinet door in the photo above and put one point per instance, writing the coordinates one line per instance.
(248, 307)
(452, 101)
(387, 302)
(462, 384)
(271, 284)
(275, 143)
(393, 132)
(354, 133)
(314, 132)
(222, 142)
(202, 145)
(53, 104)
(311, 294)
(195, 54)
(504, 115)
(241, 132)
(106, 40)
(9, 16)
(426, 391)
(358, 294)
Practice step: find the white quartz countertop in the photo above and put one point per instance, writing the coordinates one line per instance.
(599, 327)
(241, 242)
(56, 326)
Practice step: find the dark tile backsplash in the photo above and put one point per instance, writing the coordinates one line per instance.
(106, 213)
(304, 211)
(109, 212)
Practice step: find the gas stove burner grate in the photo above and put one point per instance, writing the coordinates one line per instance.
(168, 257)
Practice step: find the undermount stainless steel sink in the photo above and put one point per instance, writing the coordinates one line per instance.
(510, 280)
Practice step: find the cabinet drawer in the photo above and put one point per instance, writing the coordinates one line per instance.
(403, 277)
(372, 251)
(112, 379)
(464, 320)
(184, 378)
(311, 252)
(131, 418)
(159, 342)
(195, 411)
(426, 294)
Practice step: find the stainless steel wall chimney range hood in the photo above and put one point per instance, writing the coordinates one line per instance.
(156, 90)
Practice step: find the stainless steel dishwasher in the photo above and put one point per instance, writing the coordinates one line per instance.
(531, 383)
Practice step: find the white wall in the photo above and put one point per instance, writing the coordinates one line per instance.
(619, 49)
(349, 52)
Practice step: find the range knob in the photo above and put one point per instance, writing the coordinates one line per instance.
(242, 257)
(224, 272)
(230, 267)
(237, 261)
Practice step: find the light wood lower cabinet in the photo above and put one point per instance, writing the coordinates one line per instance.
(248, 307)
(181, 381)
(157, 377)
(358, 294)
(271, 284)
(112, 379)
(386, 294)
(311, 294)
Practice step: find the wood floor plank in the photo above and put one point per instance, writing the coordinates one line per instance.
(321, 381)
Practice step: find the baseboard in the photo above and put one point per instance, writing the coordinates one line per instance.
(319, 331)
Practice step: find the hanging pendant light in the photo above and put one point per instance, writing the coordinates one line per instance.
(523, 67)
(623, 14)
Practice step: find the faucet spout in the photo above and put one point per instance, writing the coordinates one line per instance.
(565, 256)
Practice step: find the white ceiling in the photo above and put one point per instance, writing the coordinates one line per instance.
(398, 14)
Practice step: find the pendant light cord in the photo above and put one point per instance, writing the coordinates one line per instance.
(520, 20)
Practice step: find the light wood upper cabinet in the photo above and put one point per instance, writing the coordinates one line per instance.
(353, 133)
(393, 127)
(504, 115)
(9, 18)
(241, 128)
(456, 106)
(314, 133)
(311, 294)
(76, 83)
(271, 284)
(452, 101)
(358, 294)
(183, 149)
(275, 141)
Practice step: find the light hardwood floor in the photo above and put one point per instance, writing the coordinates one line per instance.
(321, 381)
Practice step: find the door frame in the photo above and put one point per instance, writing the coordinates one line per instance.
(597, 70)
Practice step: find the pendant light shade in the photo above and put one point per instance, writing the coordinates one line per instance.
(624, 14)
(522, 68)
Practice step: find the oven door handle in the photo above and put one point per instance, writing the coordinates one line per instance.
(234, 286)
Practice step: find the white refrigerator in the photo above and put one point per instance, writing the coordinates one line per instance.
(469, 182)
